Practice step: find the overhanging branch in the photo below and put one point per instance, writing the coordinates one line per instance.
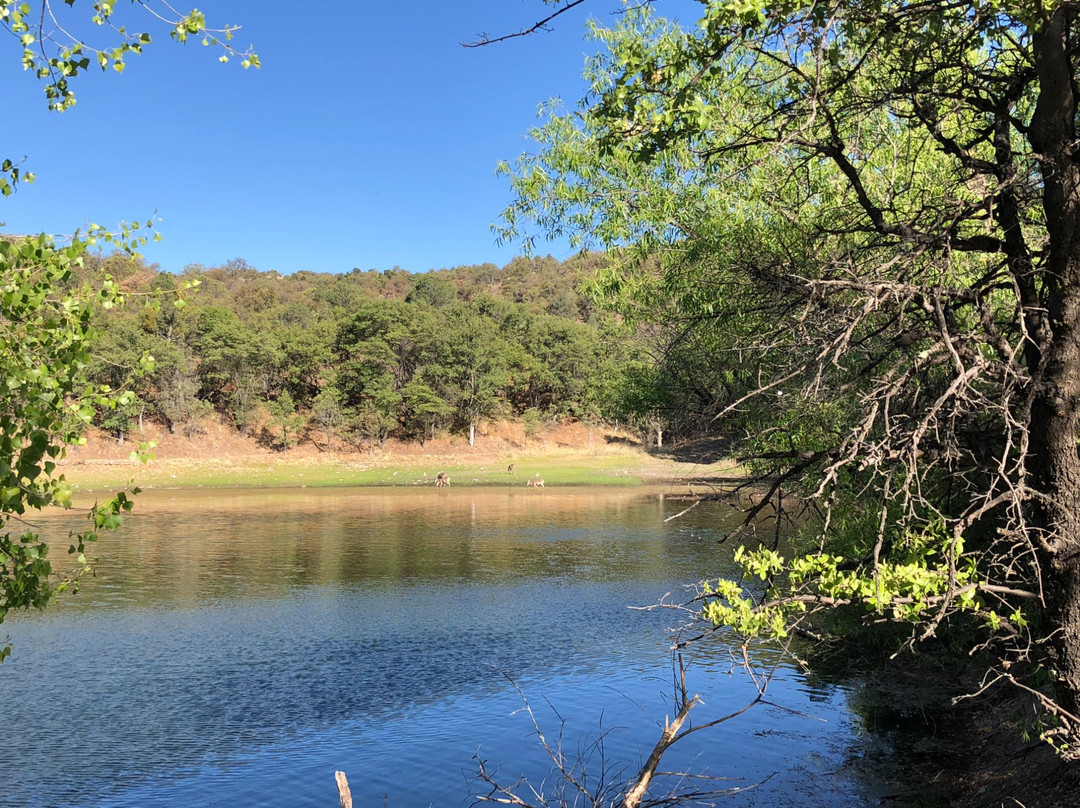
(485, 39)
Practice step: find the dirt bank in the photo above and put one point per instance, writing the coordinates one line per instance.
(564, 454)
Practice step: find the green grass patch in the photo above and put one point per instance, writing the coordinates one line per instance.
(622, 469)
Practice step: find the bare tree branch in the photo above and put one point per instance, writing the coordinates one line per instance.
(484, 39)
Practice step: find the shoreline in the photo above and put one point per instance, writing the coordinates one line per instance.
(566, 467)
(999, 767)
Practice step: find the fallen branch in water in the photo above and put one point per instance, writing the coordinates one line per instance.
(344, 795)
(572, 784)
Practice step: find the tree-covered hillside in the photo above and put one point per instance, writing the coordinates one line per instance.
(351, 360)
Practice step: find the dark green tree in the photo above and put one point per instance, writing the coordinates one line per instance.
(179, 402)
(421, 410)
(471, 374)
(228, 352)
(327, 412)
(285, 419)
(432, 290)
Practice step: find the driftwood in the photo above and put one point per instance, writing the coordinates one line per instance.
(344, 795)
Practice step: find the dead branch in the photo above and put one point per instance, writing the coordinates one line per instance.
(669, 736)
(572, 785)
(344, 795)
(483, 39)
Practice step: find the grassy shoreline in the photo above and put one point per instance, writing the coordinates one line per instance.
(565, 468)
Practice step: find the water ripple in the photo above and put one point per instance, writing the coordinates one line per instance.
(239, 655)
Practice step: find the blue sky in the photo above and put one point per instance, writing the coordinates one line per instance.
(368, 139)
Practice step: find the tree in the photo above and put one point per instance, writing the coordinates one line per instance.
(369, 422)
(376, 358)
(45, 341)
(179, 403)
(326, 411)
(120, 363)
(284, 417)
(880, 206)
(46, 329)
(117, 420)
(433, 290)
(307, 355)
(395, 338)
(421, 409)
(226, 350)
(471, 372)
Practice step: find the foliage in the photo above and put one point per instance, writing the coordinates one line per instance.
(46, 336)
(422, 408)
(326, 411)
(180, 406)
(46, 314)
(117, 420)
(866, 217)
(431, 290)
(55, 55)
(363, 356)
(285, 419)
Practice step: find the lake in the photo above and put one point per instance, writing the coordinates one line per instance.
(236, 648)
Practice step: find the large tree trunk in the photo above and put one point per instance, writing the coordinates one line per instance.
(1053, 462)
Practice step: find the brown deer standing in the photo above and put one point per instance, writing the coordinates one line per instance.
(510, 469)
(442, 479)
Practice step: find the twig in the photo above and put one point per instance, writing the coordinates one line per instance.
(484, 39)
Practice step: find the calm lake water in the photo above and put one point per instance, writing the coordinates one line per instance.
(235, 649)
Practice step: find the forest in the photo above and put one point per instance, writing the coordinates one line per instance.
(350, 360)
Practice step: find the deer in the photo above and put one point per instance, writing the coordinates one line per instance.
(536, 482)
(442, 479)
(510, 469)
